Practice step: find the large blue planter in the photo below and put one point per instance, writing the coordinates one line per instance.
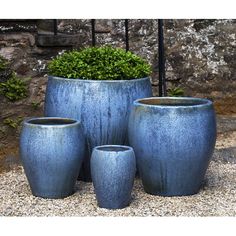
(173, 140)
(52, 150)
(102, 107)
(113, 170)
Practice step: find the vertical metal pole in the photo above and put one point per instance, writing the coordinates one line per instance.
(127, 35)
(93, 32)
(162, 82)
(55, 27)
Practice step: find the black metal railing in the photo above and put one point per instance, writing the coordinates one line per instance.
(93, 32)
(161, 58)
(17, 25)
(55, 26)
(127, 35)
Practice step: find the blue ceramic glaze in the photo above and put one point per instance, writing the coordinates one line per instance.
(52, 150)
(113, 170)
(102, 107)
(173, 140)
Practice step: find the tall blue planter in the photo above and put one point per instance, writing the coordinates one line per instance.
(113, 170)
(173, 140)
(102, 107)
(52, 150)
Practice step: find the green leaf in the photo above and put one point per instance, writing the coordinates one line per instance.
(99, 63)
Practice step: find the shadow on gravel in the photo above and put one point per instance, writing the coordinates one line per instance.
(225, 155)
(226, 123)
(8, 163)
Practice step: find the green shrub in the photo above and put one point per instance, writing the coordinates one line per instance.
(175, 92)
(99, 63)
(10, 86)
(13, 123)
(14, 89)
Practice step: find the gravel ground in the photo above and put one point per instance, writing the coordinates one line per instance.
(216, 198)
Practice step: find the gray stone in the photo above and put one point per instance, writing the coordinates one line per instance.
(7, 52)
(60, 40)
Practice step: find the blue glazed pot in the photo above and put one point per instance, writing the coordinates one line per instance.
(173, 140)
(52, 150)
(102, 107)
(113, 170)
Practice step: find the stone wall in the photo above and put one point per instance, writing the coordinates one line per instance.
(200, 58)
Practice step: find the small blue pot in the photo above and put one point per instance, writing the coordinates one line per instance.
(113, 170)
(52, 150)
(102, 106)
(173, 140)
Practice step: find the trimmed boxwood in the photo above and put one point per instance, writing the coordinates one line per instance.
(99, 63)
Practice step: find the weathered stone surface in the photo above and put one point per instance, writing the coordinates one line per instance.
(7, 52)
(32, 106)
(45, 26)
(60, 40)
(18, 25)
(18, 39)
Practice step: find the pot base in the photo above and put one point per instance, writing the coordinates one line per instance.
(109, 207)
(53, 196)
(172, 194)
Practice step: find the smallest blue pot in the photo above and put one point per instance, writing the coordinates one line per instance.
(113, 170)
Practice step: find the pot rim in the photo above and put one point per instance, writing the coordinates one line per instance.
(97, 81)
(71, 122)
(123, 147)
(199, 102)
